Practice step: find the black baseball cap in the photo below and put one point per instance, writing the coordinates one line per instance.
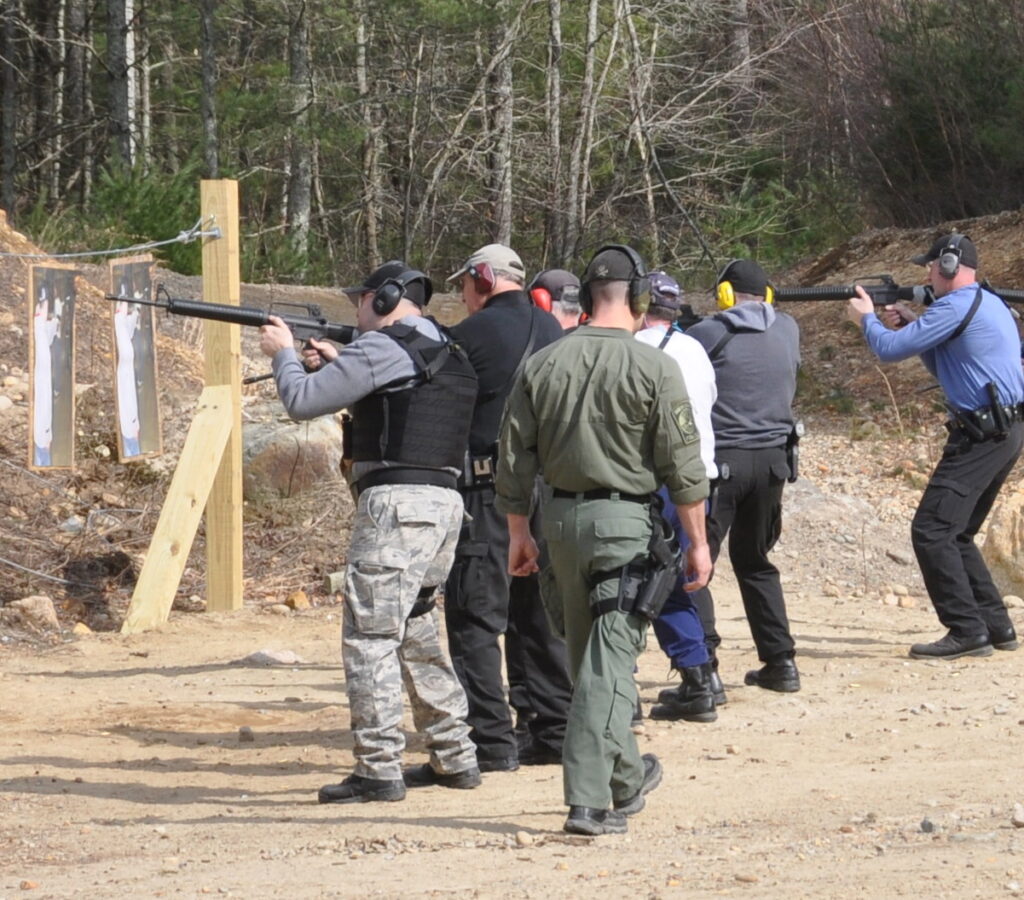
(968, 252)
(610, 264)
(554, 281)
(393, 268)
(746, 277)
(418, 290)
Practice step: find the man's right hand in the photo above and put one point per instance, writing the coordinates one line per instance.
(315, 352)
(896, 315)
(698, 567)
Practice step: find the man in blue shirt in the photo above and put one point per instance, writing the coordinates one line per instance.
(968, 340)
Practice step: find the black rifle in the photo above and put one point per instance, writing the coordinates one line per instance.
(884, 292)
(312, 325)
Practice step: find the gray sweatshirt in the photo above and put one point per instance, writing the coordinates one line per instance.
(755, 371)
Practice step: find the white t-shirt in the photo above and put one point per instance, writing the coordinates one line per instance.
(699, 378)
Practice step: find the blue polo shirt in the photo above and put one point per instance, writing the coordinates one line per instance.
(987, 350)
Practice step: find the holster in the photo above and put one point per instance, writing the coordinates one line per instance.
(426, 600)
(645, 582)
(793, 451)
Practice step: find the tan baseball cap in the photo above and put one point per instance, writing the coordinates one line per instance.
(498, 257)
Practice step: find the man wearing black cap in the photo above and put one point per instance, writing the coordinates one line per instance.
(411, 393)
(755, 351)
(968, 340)
(608, 420)
(502, 330)
(558, 291)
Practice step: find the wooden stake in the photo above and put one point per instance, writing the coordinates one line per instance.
(221, 284)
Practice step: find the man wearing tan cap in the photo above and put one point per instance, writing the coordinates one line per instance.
(502, 330)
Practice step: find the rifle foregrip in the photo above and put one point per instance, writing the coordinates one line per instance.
(844, 292)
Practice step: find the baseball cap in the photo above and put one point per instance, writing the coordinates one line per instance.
(610, 264)
(417, 290)
(665, 292)
(498, 257)
(746, 277)
(968, 252)
(393, 268)
(554, 281)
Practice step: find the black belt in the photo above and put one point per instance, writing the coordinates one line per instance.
(405, 475)
(602, 494)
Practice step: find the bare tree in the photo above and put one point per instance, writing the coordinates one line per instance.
(208, 87)
(301, 155)
(117, 69)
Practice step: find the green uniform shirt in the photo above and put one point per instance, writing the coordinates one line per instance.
(598, 409)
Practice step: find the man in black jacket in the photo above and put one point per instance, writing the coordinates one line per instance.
(502, 329)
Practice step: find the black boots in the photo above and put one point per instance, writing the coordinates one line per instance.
(778, 674)
(693, 700)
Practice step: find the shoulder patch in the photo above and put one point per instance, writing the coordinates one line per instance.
(684, 419)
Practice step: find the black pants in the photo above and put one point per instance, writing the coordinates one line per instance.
(956, 501)
(480, 599)
(748, 508)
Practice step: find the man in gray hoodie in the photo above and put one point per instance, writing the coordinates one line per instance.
(755, 351)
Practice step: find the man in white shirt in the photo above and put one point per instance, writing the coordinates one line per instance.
(678, 628)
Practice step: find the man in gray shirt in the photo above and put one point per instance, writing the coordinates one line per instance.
(755, 351)
(411, 393)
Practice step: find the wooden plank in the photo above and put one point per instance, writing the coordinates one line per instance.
(183, 508)
(221, 284)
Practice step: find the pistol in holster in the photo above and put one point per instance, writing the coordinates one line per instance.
(645, 582)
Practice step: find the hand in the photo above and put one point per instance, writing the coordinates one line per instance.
(275, 337)
(522, 548)
(698, 567)
(859, 306)
(896, 315)
(315, 352)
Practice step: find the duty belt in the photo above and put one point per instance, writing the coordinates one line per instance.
(602, 494)
(405, 475)
(478, 471)
(982, 424)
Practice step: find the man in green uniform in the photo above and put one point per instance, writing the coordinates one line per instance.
(606, 420)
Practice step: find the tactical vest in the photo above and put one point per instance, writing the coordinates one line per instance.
(425, 423)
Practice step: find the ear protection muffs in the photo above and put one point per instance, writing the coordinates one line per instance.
(390, 293)
(483, 277)
(639, 282)
(725, 294)
(949, 258)
(541, 298)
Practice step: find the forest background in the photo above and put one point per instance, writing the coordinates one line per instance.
(697, 130)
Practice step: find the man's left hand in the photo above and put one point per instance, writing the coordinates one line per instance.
(275, 337)
(859, 306)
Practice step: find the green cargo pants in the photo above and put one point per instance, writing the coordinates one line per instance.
(601, 760)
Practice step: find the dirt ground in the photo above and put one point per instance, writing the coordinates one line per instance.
(124, 775)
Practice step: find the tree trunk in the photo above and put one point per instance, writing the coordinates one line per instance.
(555, 230)
(639, 81)
(117, 66)
(301, 155)
(372, 188)
(208, 88)
(502, 122)
(141, 73)
(9, 138)
(75, 156)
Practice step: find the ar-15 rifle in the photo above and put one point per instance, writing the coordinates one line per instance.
(312, 325)
(886, 291)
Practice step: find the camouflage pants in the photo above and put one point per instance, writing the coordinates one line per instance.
(403, 539)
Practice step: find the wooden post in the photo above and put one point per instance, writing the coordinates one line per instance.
(221, 284)
(209, 472)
